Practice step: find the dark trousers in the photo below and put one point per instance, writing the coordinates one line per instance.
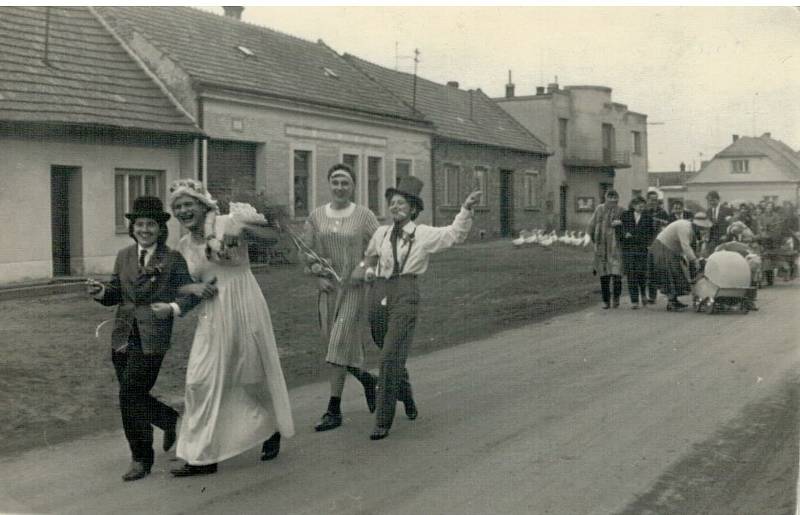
(652, 283)
(393, 331)
(637, 283)
(137, 373)
(606, 283)
(636, 263)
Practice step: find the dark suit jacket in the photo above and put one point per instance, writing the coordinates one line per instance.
(719, 225)
(133, 290)
(641, 234)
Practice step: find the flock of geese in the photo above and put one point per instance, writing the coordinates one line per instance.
(540, 237)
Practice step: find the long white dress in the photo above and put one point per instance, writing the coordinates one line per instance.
(236, 395)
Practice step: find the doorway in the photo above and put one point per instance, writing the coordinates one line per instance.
(506, 203)
(562, 207)
(64, 218)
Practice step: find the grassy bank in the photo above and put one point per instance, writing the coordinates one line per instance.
(56, 380)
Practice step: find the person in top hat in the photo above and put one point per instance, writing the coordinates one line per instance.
(145, 287)
(671, 247)
(396, 255)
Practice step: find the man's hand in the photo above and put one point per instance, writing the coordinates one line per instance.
(162, 310)
(93, 287)
(369, 274)
(472, 199)
(203, 290)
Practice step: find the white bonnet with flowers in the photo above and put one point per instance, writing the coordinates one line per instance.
(195, 189)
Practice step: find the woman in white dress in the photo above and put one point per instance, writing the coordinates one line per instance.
(236, 396)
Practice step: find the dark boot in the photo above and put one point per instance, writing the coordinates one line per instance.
(271, 447)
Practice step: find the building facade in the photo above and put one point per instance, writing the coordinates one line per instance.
(278, 111)
(750, 169)
(83, 131)
(596, 144)
(476, 145)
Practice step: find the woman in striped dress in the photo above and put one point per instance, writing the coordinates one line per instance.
(340, 231)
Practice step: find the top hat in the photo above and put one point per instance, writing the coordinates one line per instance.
(410, 188)
(148, 207)
(701, 220)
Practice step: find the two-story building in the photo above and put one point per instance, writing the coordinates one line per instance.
(596, 144)
(278, 110)
(475, 145)
(750, 169)
(84, 130)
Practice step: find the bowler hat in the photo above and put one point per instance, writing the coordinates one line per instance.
(410, 188)
(148, 207)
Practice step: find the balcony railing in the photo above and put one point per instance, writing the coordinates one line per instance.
(604, 158)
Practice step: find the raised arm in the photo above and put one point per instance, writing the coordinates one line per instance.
(441, 238)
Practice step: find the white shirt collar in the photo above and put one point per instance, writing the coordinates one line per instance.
(150, 251)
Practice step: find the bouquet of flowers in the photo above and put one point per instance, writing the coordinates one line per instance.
(315, 264)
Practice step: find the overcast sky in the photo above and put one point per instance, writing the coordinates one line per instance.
(701, 74)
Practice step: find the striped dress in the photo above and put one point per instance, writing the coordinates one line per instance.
(342, 237)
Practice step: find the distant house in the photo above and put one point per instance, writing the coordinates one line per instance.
(84, 129)
(750, 169)
(278, 110)
(671, 183)
(596, 144)
(475, 145)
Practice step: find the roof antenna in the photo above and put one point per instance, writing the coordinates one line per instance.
(414, 97)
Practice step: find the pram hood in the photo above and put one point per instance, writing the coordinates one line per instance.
(727, 269)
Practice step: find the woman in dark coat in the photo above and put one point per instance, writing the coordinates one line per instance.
(636, 232)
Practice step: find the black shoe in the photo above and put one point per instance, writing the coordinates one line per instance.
(194, 470)
(329, 421)
(271, 447)
(674, 305)
(379, 433)
(411, 410)
(651, 301)
(138, 470)
(369, 393)
(170, 436)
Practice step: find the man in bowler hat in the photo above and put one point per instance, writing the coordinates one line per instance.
(396, 255)
(144, 287)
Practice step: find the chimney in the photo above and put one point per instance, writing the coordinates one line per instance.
(509, 87)
(553, 86)
(683, 167)
(735, 137)
(453, 83)
(540, 90)
(234, 12)
(766, 135)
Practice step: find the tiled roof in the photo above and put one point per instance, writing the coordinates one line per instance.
(206, 47)
(766, 146)
(457, 114)
(86, 76)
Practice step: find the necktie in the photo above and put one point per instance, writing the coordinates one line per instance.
(142, 256)
(396, 231)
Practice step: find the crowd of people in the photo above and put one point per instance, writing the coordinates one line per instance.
(235, 395)
(659, 250)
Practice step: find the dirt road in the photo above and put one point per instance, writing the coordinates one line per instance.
(595, 412)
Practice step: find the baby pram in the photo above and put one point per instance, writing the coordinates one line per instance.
(724, 284)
